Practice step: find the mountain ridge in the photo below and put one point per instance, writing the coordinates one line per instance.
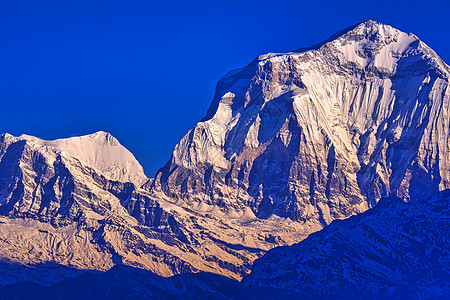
(396, 249)
(49, 198)
(99, 150)
(328, 100)
(290, 144)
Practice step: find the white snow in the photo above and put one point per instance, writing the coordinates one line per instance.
(100, 151)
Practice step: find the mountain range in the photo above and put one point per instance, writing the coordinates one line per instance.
(326, 165)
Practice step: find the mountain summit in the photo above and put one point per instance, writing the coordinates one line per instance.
(290, 143)
(99, 150)
(320, 133)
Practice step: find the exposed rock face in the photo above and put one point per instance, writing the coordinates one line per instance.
(58, 206)
(320, 133)
(100, 151)
(396, 250)
(66, 179)
(290, 143)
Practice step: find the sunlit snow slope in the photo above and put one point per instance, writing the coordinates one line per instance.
(60, 205)
(290, 143)
(100, 151)
(320, 133)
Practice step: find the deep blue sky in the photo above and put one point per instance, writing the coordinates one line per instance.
(145, 71)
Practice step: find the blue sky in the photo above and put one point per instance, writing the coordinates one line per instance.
(145, 71)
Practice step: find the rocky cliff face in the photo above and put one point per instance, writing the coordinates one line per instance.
(63, 207)
(320, 133)
(54, 178)
(290, 143)
(100, 151)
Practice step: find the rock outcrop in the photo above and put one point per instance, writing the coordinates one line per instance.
(320, 133)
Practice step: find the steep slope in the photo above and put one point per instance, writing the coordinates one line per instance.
(290, 143)
(100, 151)
(396, 250)
(57, 206)
(320, 133)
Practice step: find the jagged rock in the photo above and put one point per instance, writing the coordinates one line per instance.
(320, 133)
(62, 207)
(290, 143)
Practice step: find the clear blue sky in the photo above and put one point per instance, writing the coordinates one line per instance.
(145, 71)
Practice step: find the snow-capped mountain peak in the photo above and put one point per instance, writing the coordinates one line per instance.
(290, 143)
(320, 133)
(100, 151)
(367, 44)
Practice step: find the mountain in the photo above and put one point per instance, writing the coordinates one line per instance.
(61, 203)
(290, 143)
(122, 282)
(51, 178)
(100, 151)
(320, 133)
(396, 250)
